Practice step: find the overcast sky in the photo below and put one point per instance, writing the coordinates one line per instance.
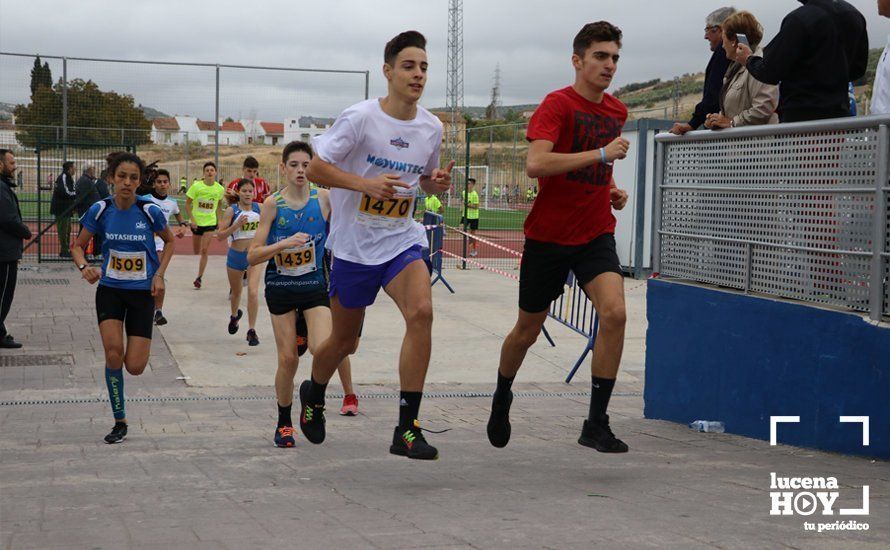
(531, 40)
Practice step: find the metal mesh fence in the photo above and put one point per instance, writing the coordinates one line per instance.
(495, 156)
(180, 114)
(799, 213)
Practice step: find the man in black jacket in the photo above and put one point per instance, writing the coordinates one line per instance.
(62, 206)
(710, 101)
(821, 47)
(12, 232)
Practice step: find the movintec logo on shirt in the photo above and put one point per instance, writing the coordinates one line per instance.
(406, 167)
(399, 143)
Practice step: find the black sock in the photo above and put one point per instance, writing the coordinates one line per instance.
(504, 384)
(316, 392)
(284, 416)
(600, 392)
(409, 407)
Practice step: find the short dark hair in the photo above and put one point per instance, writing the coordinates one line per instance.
(209, 163)
(471, 180)
(117, 159)
(294, 147)
(3, 154)
(67, 164)
(601, 31)
(250, 162)
(407, 39)
(163, 172)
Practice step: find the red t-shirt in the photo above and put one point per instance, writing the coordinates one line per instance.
(574, 208)
(260, 188)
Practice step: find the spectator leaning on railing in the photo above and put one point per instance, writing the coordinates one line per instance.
(744, 100)
(880, 95)
(713, 74)
(821, 47)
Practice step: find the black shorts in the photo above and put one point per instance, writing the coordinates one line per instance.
(471, 224)
(280, 301)
(201, 229)
(134, 307)
(545, 268)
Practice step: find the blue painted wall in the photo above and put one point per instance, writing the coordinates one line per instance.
(717, 355)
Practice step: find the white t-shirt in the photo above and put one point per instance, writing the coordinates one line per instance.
(169, 207)
(366, 141)
(880, 96)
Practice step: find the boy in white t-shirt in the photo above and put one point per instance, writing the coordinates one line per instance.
(168, 205)
(374, 158)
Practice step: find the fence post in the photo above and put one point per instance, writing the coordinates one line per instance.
(187, 179)
(216, 123)
(65, 108)
(39, 204)
(876, 281)
(656, 217)
(367, 82)
(463, 198)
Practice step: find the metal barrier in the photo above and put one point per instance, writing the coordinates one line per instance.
(793, 210)
(435, 233)
(575, 310)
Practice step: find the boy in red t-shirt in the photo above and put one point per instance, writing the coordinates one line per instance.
(575, 135)
(250, 170)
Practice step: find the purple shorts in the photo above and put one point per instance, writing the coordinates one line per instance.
(356, 285)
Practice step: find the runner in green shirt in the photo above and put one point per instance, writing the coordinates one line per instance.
(434, 205)
(471, 222)
(203, 207)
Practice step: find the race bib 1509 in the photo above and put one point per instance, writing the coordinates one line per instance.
(127, 266)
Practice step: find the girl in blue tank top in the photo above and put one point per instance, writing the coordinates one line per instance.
(291, 240)
(239, 224)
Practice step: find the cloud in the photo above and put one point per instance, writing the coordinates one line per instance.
(530, 40)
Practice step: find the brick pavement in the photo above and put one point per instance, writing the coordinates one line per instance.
(202, 472)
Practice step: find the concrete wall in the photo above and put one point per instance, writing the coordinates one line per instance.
(716, 355)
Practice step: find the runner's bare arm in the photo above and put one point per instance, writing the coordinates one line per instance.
(542, 161)
(324, 200)
(157, 282)
(382, 187)
(258, 251)
(78, 256)
(618, 197)
(227, 225)
(188, 212)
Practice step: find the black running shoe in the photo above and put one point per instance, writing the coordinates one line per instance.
(302, 335)
(311, 416)
(598, 435)
(252, 339)
(233, 322)
(159, 318)
(409, 441)
(499, 421)
(118, 433)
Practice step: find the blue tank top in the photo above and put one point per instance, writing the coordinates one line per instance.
(308, 219)
(128, 246)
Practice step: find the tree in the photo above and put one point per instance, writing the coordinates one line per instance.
(94, 116)
(41, 76)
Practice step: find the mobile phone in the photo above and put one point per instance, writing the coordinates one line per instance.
(742, 39)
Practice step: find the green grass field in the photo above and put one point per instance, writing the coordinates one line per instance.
(488, 219)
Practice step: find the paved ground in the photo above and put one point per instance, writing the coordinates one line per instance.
(199, 471)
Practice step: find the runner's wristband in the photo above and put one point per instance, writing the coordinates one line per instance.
(603, 156)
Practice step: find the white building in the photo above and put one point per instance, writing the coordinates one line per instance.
(305, 128)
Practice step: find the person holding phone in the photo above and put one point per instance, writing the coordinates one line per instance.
(744, 100)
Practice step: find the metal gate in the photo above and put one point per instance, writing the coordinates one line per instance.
(55, 222)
